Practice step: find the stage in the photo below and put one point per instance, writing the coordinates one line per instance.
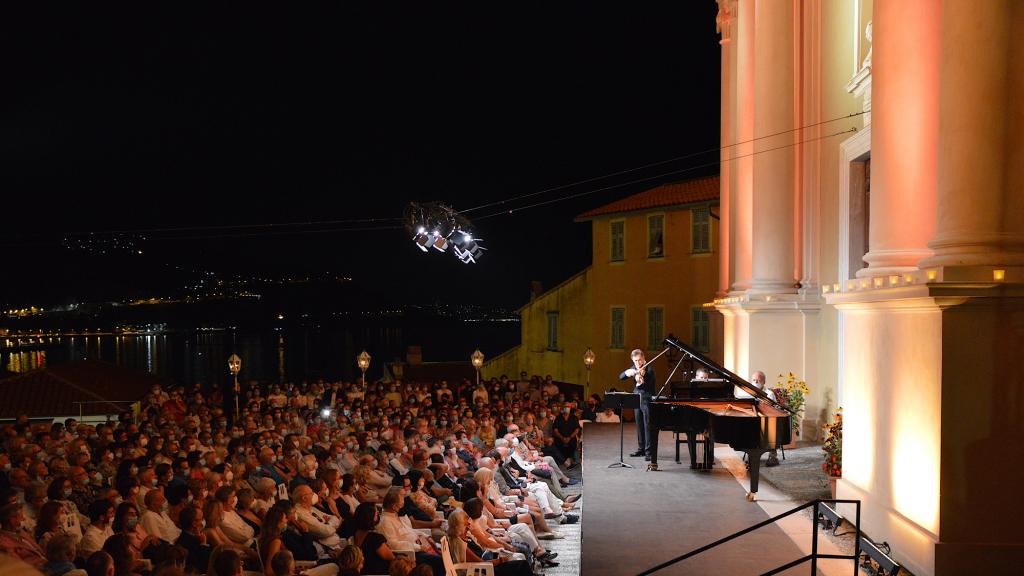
(636, 519)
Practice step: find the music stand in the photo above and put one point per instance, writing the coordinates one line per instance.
(618, 401)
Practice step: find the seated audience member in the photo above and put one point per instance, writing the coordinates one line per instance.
(52, 521)
(464, 549)
(123, 554)
(323, 527)
(60, 555)
(126, 522)
(377, 555)
(214, 531)
(156, 520)
(350, 561)
(99, 563)
(401, 536)
(101, 519)
(246, 498)
(225, 562)
(607, 416)
(15, 540)
(230, 522)
(193, 539)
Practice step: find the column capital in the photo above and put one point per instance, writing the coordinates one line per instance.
(724, 19)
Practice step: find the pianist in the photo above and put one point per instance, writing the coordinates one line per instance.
(644, 384)
(757, 378)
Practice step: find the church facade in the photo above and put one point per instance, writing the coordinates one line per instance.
(872, 195)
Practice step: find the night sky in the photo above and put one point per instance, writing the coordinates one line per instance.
(137, 119)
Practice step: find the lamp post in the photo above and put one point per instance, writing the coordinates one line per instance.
(478, 361)
(363, 360)
(235, 366)
(588, 361)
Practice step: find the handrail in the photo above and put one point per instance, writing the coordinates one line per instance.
(813, 556)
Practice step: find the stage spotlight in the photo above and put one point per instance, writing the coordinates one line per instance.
(423, 241)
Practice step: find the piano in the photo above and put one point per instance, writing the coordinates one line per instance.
(709, 409)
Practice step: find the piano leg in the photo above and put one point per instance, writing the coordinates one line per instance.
(676, 436)
(709, 452)
(754, 461)
(691, 445)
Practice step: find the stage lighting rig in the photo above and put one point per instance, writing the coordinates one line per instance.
(438, 226)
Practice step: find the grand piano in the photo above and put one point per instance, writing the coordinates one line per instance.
(707, 409)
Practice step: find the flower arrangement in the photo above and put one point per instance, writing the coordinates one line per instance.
(833, 446)
(792, 393)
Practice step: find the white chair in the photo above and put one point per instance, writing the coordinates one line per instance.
(471, 568)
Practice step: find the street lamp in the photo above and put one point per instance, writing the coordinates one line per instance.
(478, 361)
(588, 361)
(235, 366)
(363, 360)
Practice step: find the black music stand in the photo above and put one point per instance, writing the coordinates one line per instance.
(618, 401)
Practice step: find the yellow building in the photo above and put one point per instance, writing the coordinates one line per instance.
(872, 193)
(655, 262)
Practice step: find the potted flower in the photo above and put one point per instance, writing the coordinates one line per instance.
(791, 392)
(833, 448)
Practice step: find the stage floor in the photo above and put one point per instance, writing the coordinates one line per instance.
(637, 519)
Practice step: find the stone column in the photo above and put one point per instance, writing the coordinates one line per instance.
(904, 138)
(981, 141)
(741, 173)
(725, 21)
(774, 164)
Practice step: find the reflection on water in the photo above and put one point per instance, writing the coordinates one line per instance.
(24, 361)
(272, 355)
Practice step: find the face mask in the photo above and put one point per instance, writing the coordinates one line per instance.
(234, 502)
(165, 507)
(155, 482)
(67, 493)
(118, 500)
(315, 500)
(132, 523)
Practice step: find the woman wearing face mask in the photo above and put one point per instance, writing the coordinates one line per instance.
(270, 542)
(126, 523)
(60, 491)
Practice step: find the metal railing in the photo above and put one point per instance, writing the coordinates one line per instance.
(813, 557)
(114, 403)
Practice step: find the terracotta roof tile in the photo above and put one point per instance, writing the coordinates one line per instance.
(54, 391)
(674, 194)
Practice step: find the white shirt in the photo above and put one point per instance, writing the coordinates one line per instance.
(741, 393)
(604, 417)
(93, 540)
(320, 526)
(399, 531)
(235, 528)
(159, 524)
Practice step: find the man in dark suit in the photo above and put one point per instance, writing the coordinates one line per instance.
(644, 381)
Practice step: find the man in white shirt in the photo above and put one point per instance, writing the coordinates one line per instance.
(402, 536)
(101, 514)
(231, 523)
(757, 378)
(155, 519)
(607, 416)
(321, 525)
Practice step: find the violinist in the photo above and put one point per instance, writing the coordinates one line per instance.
(644, 382)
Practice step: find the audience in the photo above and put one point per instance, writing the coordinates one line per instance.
(341, 474)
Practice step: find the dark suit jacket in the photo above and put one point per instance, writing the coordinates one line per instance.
(650, 381)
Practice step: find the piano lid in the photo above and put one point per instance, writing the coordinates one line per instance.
(724, 373)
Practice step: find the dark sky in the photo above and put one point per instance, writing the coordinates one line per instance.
(137, 118)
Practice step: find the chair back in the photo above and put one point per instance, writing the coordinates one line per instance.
(446, 555)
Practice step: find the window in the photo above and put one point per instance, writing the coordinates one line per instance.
(701, 337)
(618, 328)
(655, 236)
(655, 327)
(618, 235)
(552, 330)
(700, 228)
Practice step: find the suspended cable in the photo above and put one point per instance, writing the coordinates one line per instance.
(659, 163)
(649, 178)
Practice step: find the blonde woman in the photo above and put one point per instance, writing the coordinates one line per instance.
(463, 549)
